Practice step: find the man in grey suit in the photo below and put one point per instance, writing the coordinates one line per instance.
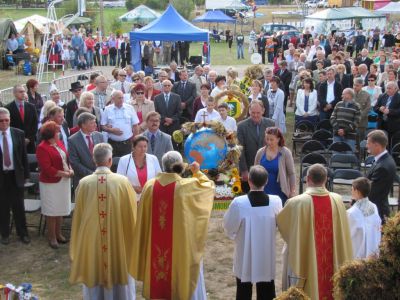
(168, 105)
(251, 134)
(81, 146)
(187, 91)
(159, 142)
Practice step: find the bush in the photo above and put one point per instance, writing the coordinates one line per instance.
(116, 26)
(184, 7)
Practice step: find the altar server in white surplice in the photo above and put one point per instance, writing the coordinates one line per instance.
(251, 222)
(364, 220)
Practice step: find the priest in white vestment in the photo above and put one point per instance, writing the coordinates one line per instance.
(364, 221)
(251, 222)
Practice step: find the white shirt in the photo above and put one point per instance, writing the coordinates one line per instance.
(213, 116)
(85, 139)
(330, 94)
(123, 118)
(64, 138)
(10, 149)
(229, 123)
(254, 232)
(380, 155)
(365, 230)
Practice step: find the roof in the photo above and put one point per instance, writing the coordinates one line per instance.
(20, 24)
(343, 13)
(171, 26)
(390, 8)
(214, 16)
(140, 15)
(224, 4)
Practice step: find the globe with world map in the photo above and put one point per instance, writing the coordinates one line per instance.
(205, 147)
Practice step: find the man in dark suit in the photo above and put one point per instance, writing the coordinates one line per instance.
(251, 134)
(382, 172)
(388, 109)
(261, 44)
(364, 59)
(14, 170)
(23, 116)
(80, 147)
(329, 93)
(72, 106)
(286, 77)
(320, 58)
(168, 105)
(159, 142)
(187, 91)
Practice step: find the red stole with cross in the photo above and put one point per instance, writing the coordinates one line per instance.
(161, 241)
(323, 234)
(102, 204)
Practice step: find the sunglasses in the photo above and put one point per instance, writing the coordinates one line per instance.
(139, 93)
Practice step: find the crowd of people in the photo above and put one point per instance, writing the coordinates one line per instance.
(125, 126)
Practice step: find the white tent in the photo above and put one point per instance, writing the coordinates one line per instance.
(224, 4)
(35, 19)
(393, 8)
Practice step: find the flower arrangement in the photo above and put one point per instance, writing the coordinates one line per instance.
(251, 73)
(236, 100)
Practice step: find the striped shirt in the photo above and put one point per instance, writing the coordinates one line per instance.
(346, 117)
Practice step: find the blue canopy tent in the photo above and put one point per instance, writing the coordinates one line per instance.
(171, 26)
(214, 16)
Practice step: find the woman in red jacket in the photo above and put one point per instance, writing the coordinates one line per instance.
(54, 180)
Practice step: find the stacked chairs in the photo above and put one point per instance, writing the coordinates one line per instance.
(303, 131)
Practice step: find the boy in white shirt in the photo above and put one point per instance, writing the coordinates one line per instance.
(228, 122)
(251, 222)
(208, 113)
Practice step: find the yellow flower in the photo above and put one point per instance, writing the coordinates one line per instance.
(235, 172)
(237, 188)
(177, 135)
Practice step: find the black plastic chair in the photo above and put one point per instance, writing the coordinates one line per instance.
(324, 124)
(344, 161)
(395, 139)
(396, 154)
(308, 160)
(324, 136)
(312, 146)
(345, 177)
(340, 147)
(303, 131)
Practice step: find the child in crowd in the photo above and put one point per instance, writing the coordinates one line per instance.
(228, 122)
(65, 56)
(71, 56)
(82, 64)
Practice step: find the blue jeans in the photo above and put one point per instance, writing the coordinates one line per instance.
(239, 50)
(118, 57)
(350, 142)
(76, 60)
(89, 59)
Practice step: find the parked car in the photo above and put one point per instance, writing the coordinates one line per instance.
(270, 28)
(323, 4)
(311, 3)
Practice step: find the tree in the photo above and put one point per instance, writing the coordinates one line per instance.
(184, 7)
(131, 4)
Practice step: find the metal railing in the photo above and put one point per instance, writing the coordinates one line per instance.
(63, 84)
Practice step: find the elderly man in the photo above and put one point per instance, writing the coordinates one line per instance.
(187, 91)
(363, 100)
(364, 59)
(382, 173)
(162, 75)
(120, 121)
(164, 250)
(72, 105)
(14, 171)
(250, 133)
(159, 142)
(81, 145)
(388, 109)
(174, 74)
(24, 117)
(102, 93)
(102, 230)
(168, 105)
(363, 71)
(314, 255)
(345, 119)
(320, 58)
(198, 79)
(212, 75)
(121, 85)
(313, 50)
(329, 93)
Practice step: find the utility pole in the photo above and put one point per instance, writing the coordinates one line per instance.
(102, 18)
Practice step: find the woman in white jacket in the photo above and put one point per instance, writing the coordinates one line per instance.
(307, 102)
(139, 166)
(276, 99)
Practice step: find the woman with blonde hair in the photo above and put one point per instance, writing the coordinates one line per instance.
(232, 76)
(87, 100)
(47, 106)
